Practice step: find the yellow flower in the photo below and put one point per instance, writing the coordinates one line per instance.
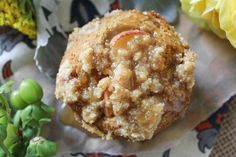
(218, 16)
(211, 16)
(204, 13)
(2, 18)
(14, 16)
(194, 9)
(227, 18)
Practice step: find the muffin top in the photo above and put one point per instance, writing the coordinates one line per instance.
(128, 74)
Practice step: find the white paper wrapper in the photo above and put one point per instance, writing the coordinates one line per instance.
(215, 84)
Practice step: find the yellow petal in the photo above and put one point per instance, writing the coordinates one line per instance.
(211, 17)
(227, 17)
(194, 9)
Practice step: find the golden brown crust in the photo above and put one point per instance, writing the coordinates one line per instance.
(126, 75)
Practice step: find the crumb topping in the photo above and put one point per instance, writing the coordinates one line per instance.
(124, 74)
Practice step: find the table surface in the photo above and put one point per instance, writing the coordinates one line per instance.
(225, 144)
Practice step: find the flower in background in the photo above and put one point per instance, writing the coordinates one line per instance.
(18, 14)
(211, 16)
(219, 16)
(227, 18)
(194, 9)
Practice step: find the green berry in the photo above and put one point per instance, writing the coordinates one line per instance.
(30, 91)
(16, 101)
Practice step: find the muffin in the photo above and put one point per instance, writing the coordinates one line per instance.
(127, 75)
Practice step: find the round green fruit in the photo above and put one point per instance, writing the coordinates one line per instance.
(16, 101)
(30, 91)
